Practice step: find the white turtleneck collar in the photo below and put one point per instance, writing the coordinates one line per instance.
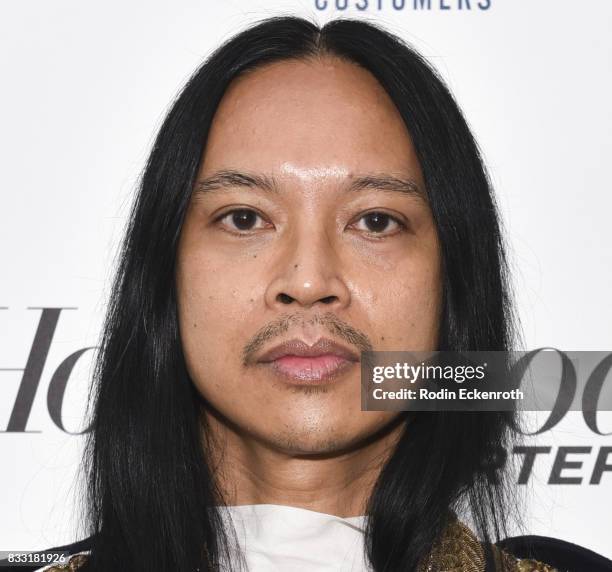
(289, 539)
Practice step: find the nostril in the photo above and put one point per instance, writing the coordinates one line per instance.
(285, 298)
(328, 299)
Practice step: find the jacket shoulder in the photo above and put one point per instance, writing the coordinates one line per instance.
(459, 550)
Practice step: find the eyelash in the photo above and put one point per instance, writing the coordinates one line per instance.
(402, 227)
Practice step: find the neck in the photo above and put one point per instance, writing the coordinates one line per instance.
(249, 470)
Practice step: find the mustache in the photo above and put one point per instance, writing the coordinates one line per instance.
(337, 327)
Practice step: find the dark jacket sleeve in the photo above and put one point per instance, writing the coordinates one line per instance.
(562, 555)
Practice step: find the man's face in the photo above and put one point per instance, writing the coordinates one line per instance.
(308, 223)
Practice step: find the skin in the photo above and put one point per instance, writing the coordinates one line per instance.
(308, 264)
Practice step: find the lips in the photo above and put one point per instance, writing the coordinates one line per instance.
(298, 362)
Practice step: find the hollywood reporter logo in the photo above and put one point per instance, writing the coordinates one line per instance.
(32, 373)
(30, 382)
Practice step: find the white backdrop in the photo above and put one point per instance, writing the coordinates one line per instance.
(84, 87)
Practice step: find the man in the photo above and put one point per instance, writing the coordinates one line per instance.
(312, 194)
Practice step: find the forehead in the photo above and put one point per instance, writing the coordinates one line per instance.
(322, 114)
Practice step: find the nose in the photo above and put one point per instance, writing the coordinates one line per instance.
(308, 272)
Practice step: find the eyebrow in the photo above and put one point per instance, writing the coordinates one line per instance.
(230, 179)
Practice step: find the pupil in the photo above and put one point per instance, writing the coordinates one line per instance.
(243, 219)
(377, 222)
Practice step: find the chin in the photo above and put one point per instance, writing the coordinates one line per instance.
(313, 442)
(299, 439)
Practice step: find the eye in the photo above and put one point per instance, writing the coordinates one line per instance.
(377, 222)
(241, 220)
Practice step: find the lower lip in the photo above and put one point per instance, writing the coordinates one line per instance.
(310, 370)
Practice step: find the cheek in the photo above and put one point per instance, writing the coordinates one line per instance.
(212, 292)
(406, 316)
(213, 299)
(210, 297)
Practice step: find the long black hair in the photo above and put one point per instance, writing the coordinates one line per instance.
(151, 491)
